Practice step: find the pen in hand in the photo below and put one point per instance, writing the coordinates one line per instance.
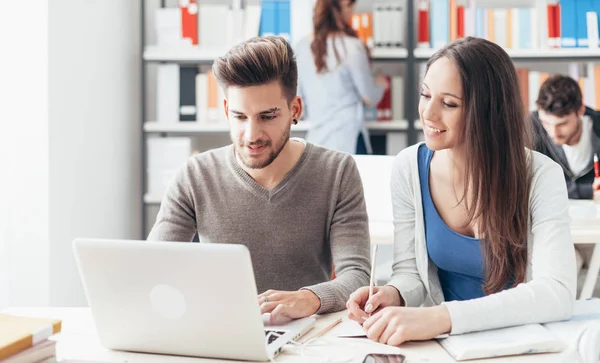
(369, 307)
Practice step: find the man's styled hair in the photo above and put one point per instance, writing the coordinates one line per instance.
(258, 61)
(560, 96)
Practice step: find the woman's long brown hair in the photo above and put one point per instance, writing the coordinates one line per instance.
(327, 19)
(498, 170)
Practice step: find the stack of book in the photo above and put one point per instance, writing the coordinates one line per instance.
(25, 339)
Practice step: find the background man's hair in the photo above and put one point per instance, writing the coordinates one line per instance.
(560, 96)
(258, 61)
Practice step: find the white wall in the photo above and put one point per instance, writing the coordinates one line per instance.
(95, 130)
(70, 140)
(23, 153)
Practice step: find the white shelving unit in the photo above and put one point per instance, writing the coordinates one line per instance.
(222, 127)
(203, 55)
(569, 54)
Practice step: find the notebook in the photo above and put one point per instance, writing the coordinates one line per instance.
(18, 333)
(524, 339)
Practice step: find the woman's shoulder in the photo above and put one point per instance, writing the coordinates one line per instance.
(407, 158)
(541, 163)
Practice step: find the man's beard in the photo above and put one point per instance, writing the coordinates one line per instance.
(252, 163)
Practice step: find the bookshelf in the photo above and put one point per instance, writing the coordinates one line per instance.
(197, 55)
(192, 128)
(411, 57)
(556, 54)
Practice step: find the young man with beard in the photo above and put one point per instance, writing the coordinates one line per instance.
(299, 208)
(569, 133)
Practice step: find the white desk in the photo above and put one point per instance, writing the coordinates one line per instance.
(585, 229)
(78, 341)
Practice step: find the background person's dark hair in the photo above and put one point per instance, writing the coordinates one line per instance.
(327, 19)
(258, 61)
(497, 174)
(559, 96)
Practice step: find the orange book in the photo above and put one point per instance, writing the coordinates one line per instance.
(523, 74)
(543, 77)
(355, 24)
(366, 26)
(213, 90)
(490, 22)
(18, 333)
(453, 21)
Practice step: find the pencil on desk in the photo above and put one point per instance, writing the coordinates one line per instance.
(372, 279)
(328, 328)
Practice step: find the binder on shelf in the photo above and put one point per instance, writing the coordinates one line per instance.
(268, 18)
(554, 24)
(570, 27)
(283, 26)
(167, 26)
(301, 24)
(167, 93)
(187, 93)
(423, 40)
(440, 23)
(591, 18)
(581, 9)
(189, 21)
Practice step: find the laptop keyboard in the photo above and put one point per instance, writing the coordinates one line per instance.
(272, 337)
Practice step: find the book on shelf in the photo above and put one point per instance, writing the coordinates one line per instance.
(391, 105)
(186, 95)
(531, 81)
(535, 25)
(25, 336)
(166, 156)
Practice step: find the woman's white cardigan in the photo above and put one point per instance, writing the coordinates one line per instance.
(549, 291)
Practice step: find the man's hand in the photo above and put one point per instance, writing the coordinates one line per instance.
(287, 305)
(596, 189)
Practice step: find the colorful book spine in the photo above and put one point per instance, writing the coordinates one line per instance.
(440, 23)
(423, 40)
(189, 20)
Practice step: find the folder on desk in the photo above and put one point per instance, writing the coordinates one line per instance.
(19, 333)
(524, 339)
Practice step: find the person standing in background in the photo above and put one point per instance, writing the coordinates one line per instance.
(568, 132)
(335, 79)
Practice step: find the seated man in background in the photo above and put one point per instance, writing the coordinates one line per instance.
(299, 208)
(569, 133)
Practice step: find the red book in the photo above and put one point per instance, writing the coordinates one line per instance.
(423, 26)
(189, 20)
(553, 25)
(461, 21)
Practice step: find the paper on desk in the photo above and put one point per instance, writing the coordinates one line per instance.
(349, 329)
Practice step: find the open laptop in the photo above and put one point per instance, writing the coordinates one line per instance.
(191, 299)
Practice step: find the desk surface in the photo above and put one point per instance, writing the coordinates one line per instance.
(78, 341)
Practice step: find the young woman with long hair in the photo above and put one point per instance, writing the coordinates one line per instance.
(481, 222)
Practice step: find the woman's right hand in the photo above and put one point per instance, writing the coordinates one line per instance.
(360, 306)
(382, 81)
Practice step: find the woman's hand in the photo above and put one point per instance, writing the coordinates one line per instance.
(396, 325)
(359, 306)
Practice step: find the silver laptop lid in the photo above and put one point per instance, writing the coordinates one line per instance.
(175, 298)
